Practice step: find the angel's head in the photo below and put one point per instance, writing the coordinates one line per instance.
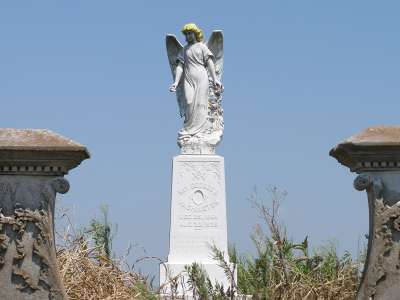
(190, 29)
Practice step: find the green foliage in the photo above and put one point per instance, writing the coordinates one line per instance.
(201, 286)
(142, 291)
(228, 268)
(283, 269)
(280, 268)
(101, 232)
(198, 281)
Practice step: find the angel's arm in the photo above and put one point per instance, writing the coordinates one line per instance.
(211, 69)
(178, 75)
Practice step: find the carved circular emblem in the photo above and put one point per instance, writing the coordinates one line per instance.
(198, 197)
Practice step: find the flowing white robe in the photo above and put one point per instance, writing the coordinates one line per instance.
(196, 87)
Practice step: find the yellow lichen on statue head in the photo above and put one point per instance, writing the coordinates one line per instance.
(193, 27)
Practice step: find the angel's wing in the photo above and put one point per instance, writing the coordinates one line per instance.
(216, 46)
(173, 49)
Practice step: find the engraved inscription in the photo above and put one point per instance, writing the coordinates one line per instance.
(198, 209)
(198, 222)
(204, 187)
(198, 215)
(200, 244)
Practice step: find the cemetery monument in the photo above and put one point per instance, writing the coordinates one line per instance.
(198, 204)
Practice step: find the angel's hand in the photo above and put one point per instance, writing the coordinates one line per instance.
(218, 86)
(172, 88)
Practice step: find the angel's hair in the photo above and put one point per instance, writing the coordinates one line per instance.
(193, 27)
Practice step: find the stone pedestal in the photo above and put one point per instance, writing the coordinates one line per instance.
(32, 166)
(198, 216)
(375, 155)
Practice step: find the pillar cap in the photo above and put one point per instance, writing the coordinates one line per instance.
(38, 152)
(373, 149)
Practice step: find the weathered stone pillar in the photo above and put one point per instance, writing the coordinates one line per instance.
(375, 155)
(32, 166)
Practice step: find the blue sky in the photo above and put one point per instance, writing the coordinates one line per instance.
(299, 77)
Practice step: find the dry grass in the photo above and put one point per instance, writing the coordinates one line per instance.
(342, 287)
(281, 269)
(88, 276)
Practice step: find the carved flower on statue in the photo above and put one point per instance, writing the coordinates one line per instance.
(396, 223)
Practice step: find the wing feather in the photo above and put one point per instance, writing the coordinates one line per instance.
(173, 49)
(216, 46)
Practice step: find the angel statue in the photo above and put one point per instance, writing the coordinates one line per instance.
(197, 71)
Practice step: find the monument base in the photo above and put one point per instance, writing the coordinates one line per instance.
(170, 270)
(198, 219)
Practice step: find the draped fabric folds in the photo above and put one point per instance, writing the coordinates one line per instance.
(195, 88)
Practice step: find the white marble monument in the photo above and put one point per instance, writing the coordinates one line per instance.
(198, 204)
